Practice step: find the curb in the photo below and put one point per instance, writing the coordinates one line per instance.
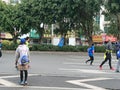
(55, 52)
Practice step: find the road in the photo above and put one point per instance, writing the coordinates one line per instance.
(59, 71)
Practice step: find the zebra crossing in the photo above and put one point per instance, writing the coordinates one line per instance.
(77, 64)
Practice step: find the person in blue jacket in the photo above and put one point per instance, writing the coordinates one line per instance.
(117, 47)
(0, 47)
(91, 54)
(118, 63)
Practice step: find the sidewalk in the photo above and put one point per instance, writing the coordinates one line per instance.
(56, 52)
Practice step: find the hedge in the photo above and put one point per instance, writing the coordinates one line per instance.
(9, 45)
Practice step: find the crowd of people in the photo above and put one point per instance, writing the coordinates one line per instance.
(109, 47)
(22, 59)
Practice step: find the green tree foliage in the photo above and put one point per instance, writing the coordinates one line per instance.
(3, 8)
(83, 14)
(12, 20)
(113, 10)
(34, 15)
(73, 15)
(67, 14)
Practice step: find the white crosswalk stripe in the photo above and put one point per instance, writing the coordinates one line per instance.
(83, 70)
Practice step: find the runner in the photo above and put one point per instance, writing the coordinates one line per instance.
(91, 54)
(107, 55)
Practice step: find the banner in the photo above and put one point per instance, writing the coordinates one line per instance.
(61, 42)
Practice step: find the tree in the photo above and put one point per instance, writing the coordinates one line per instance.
(47, 12)
(113, 10)
(3, 7)
(83, 14)
(34, 15)
(6, 15)
(67, 14)
(56, 13)
(12, 20)
(73, 15)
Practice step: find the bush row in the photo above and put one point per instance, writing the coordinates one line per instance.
(65, 48)
(9, 45)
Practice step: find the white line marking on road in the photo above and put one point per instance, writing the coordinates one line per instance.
(57, 88)
(48, 88)
(76, 63)
(80, 83)
(11, 84)
(84, 70)
(7, 83)
(13, 76)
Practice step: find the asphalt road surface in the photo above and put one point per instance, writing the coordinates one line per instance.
(59, 71)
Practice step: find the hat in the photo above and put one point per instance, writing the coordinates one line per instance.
(22, 40)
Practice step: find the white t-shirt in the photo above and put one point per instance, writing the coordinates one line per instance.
(21, 51)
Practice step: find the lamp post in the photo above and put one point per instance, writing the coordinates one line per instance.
(52, 34)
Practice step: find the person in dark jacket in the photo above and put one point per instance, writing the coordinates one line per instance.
(107, 55)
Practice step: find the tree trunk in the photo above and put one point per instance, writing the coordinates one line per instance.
(88, 30)
(41, 30)
(15, 38)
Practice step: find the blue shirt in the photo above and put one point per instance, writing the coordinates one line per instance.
(0, 45)
(91, 51)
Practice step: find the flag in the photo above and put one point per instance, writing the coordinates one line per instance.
(61, 42)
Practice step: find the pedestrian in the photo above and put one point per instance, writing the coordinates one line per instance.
(117, 47)
(107, 55)
(22, 61)
(118, 63)
(91, 54)
(28, 42)
(0, 47)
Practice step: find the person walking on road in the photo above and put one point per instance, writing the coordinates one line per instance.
(22, 61)
(28, 42)
(91, 54)
(107, 55)
(118, 63)
(0, 47)
(117, 47)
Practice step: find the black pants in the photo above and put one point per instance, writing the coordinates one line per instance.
(106, 59)
(0, 53)
(116, 54)
(22, 72)
(91, 59)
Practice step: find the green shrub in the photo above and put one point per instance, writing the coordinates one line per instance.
(82, 48)
(99, 48)
(9, 45)
(6, 44)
